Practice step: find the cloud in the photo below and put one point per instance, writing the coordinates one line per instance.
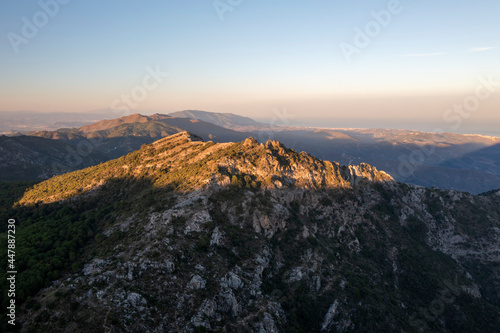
(424, 54)
(480, 49)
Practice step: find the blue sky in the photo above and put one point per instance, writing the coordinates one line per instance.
(263, 55)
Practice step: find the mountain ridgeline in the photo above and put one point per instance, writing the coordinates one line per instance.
(138, 126)
(185, 235)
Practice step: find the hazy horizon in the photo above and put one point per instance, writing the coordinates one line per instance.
(283, 117)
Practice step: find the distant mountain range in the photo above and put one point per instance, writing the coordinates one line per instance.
(185, 235)
(27, 121)
(451, 161)
(137, 125)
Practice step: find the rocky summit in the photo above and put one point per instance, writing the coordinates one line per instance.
(185, 235)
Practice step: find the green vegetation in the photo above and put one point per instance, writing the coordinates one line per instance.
(49, 241)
